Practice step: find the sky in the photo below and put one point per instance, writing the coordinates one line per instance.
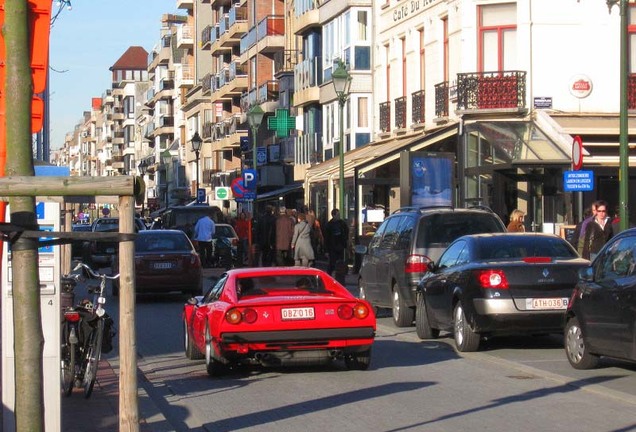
(85, 42)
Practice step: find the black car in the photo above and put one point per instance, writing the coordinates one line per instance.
(498, 284)
(601, 316)
(100, 252)
(401, 248)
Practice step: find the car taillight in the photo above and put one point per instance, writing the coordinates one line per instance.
(492, 279)
(236, 316)
(537, 260)
(361, 311)
(72, 316)
(345, 312)
(416, 264)
(195, 261)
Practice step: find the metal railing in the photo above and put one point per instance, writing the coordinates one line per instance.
(491, 90)
(385, 116)
(441, 99)
(417, 107)
(400, 112)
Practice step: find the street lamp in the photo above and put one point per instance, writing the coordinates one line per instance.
(623, 172)
(341, 80)
(143, 167)
(196, 142)
(254, 118)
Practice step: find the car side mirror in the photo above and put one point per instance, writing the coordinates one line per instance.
(431, 266)
(586, 274)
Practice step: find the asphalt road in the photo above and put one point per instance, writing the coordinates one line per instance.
(521, 384)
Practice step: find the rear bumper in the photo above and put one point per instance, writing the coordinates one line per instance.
(309, 336)
(500, 316)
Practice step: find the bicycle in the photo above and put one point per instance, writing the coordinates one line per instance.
(83, 330)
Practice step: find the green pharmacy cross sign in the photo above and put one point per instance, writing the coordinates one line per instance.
(282, 123)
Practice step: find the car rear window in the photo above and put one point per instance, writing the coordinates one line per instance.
(524, 246)
(265, 285)
(162, 243)
(443, 228)
(224, 231)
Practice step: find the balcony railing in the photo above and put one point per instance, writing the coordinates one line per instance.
(238, 14)
(417, 107)
(237, 70)
(206, 132)
(206, 36)
(400, 112)
(272, 25)
(206, 83)
(491, 90)
(385, 116)
(441, 99)
(308, 73)
(268, 92)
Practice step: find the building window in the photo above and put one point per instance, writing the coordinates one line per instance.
(363, 112)
(362, 25)
(403, 44)
(446, 57)
(422, 60)
(497, 37)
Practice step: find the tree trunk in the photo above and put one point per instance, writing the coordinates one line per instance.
(28, 335)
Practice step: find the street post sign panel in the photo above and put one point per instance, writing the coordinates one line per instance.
(222, 192)
(578, 181)
(201, 195)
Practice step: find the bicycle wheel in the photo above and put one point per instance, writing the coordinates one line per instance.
(68, 368)
(93, 353)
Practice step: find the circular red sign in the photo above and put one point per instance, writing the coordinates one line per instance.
(577, 153)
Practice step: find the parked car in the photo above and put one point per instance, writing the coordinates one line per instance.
(601, 315)
(101, 253)
(185, 217)
(225, 246)
(497, 284)
(165, 261)
(278, 316)
(397, 255)
(77, 246)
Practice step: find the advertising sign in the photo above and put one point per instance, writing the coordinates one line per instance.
(426, 179)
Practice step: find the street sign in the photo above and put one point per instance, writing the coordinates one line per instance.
(200, 195)
(222, 192)
(250, 179)
(578, 181)
(261, 155)
(245, 144)
(577, 153)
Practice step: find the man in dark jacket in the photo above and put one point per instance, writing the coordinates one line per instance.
(336, 238)
(597, 232)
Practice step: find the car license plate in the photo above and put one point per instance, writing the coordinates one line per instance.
(546, 303)
(162, 266)
(304, 313)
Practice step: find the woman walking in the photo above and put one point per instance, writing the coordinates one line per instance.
(301, 242)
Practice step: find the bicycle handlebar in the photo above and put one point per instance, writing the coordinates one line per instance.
(93, 273)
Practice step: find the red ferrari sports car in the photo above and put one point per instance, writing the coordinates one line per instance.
(278, 316)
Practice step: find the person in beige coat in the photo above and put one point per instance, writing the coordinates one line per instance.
(301, 242)
(284, 233)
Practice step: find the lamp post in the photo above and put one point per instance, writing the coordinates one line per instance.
(341, 80)
(143, 167)
(196, 142)
(254, 118)
(623, 172)
(166, 159)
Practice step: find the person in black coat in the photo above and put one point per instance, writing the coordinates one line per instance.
(336, 239)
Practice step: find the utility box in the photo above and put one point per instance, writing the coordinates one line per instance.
(48, 215)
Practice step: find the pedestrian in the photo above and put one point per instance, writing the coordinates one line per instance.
(301, 242)
(203, 234)
(266, 234)
(317, 239)
(336, 237)
(597, 232)
(284, 233)
(579, 231)
(516, 221)
(242, 227)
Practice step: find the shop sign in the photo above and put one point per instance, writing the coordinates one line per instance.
(580, 86)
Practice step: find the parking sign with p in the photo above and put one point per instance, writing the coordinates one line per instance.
(250, 179)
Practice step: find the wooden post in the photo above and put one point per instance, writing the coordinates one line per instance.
(128, 404)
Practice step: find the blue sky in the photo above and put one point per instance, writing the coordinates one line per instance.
(87, 40)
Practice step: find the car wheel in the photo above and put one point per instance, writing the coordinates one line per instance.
(466, 340)
(359, 360)
(422, 326)
(575, 348)
(402, 314)
(214, 367)
(191, 351)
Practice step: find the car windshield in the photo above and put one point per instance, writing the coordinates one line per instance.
(267, 285)
(107, 225)
(498, 247)
(162, 243)
(224, 231)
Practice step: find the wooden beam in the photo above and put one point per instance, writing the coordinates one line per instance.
(69, 186)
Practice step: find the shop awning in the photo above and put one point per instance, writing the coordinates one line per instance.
(279, 192)
(377, 153)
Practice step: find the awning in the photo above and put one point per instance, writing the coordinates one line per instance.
(279, 192)
(377, 153)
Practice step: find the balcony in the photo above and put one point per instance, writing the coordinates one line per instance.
(307, 15)
(267, 36)
(206, 37)
(491, 91)
(308, 149)
(185, 4)
(118, 113)
(206, 132)
(206, 84)
(162, 56)
(237, 26)
(307, 81)
(417, 108)
(385, 117)
(441, 100)
(400, 113)
(184, 75)
(185, 36)
(118, 137)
